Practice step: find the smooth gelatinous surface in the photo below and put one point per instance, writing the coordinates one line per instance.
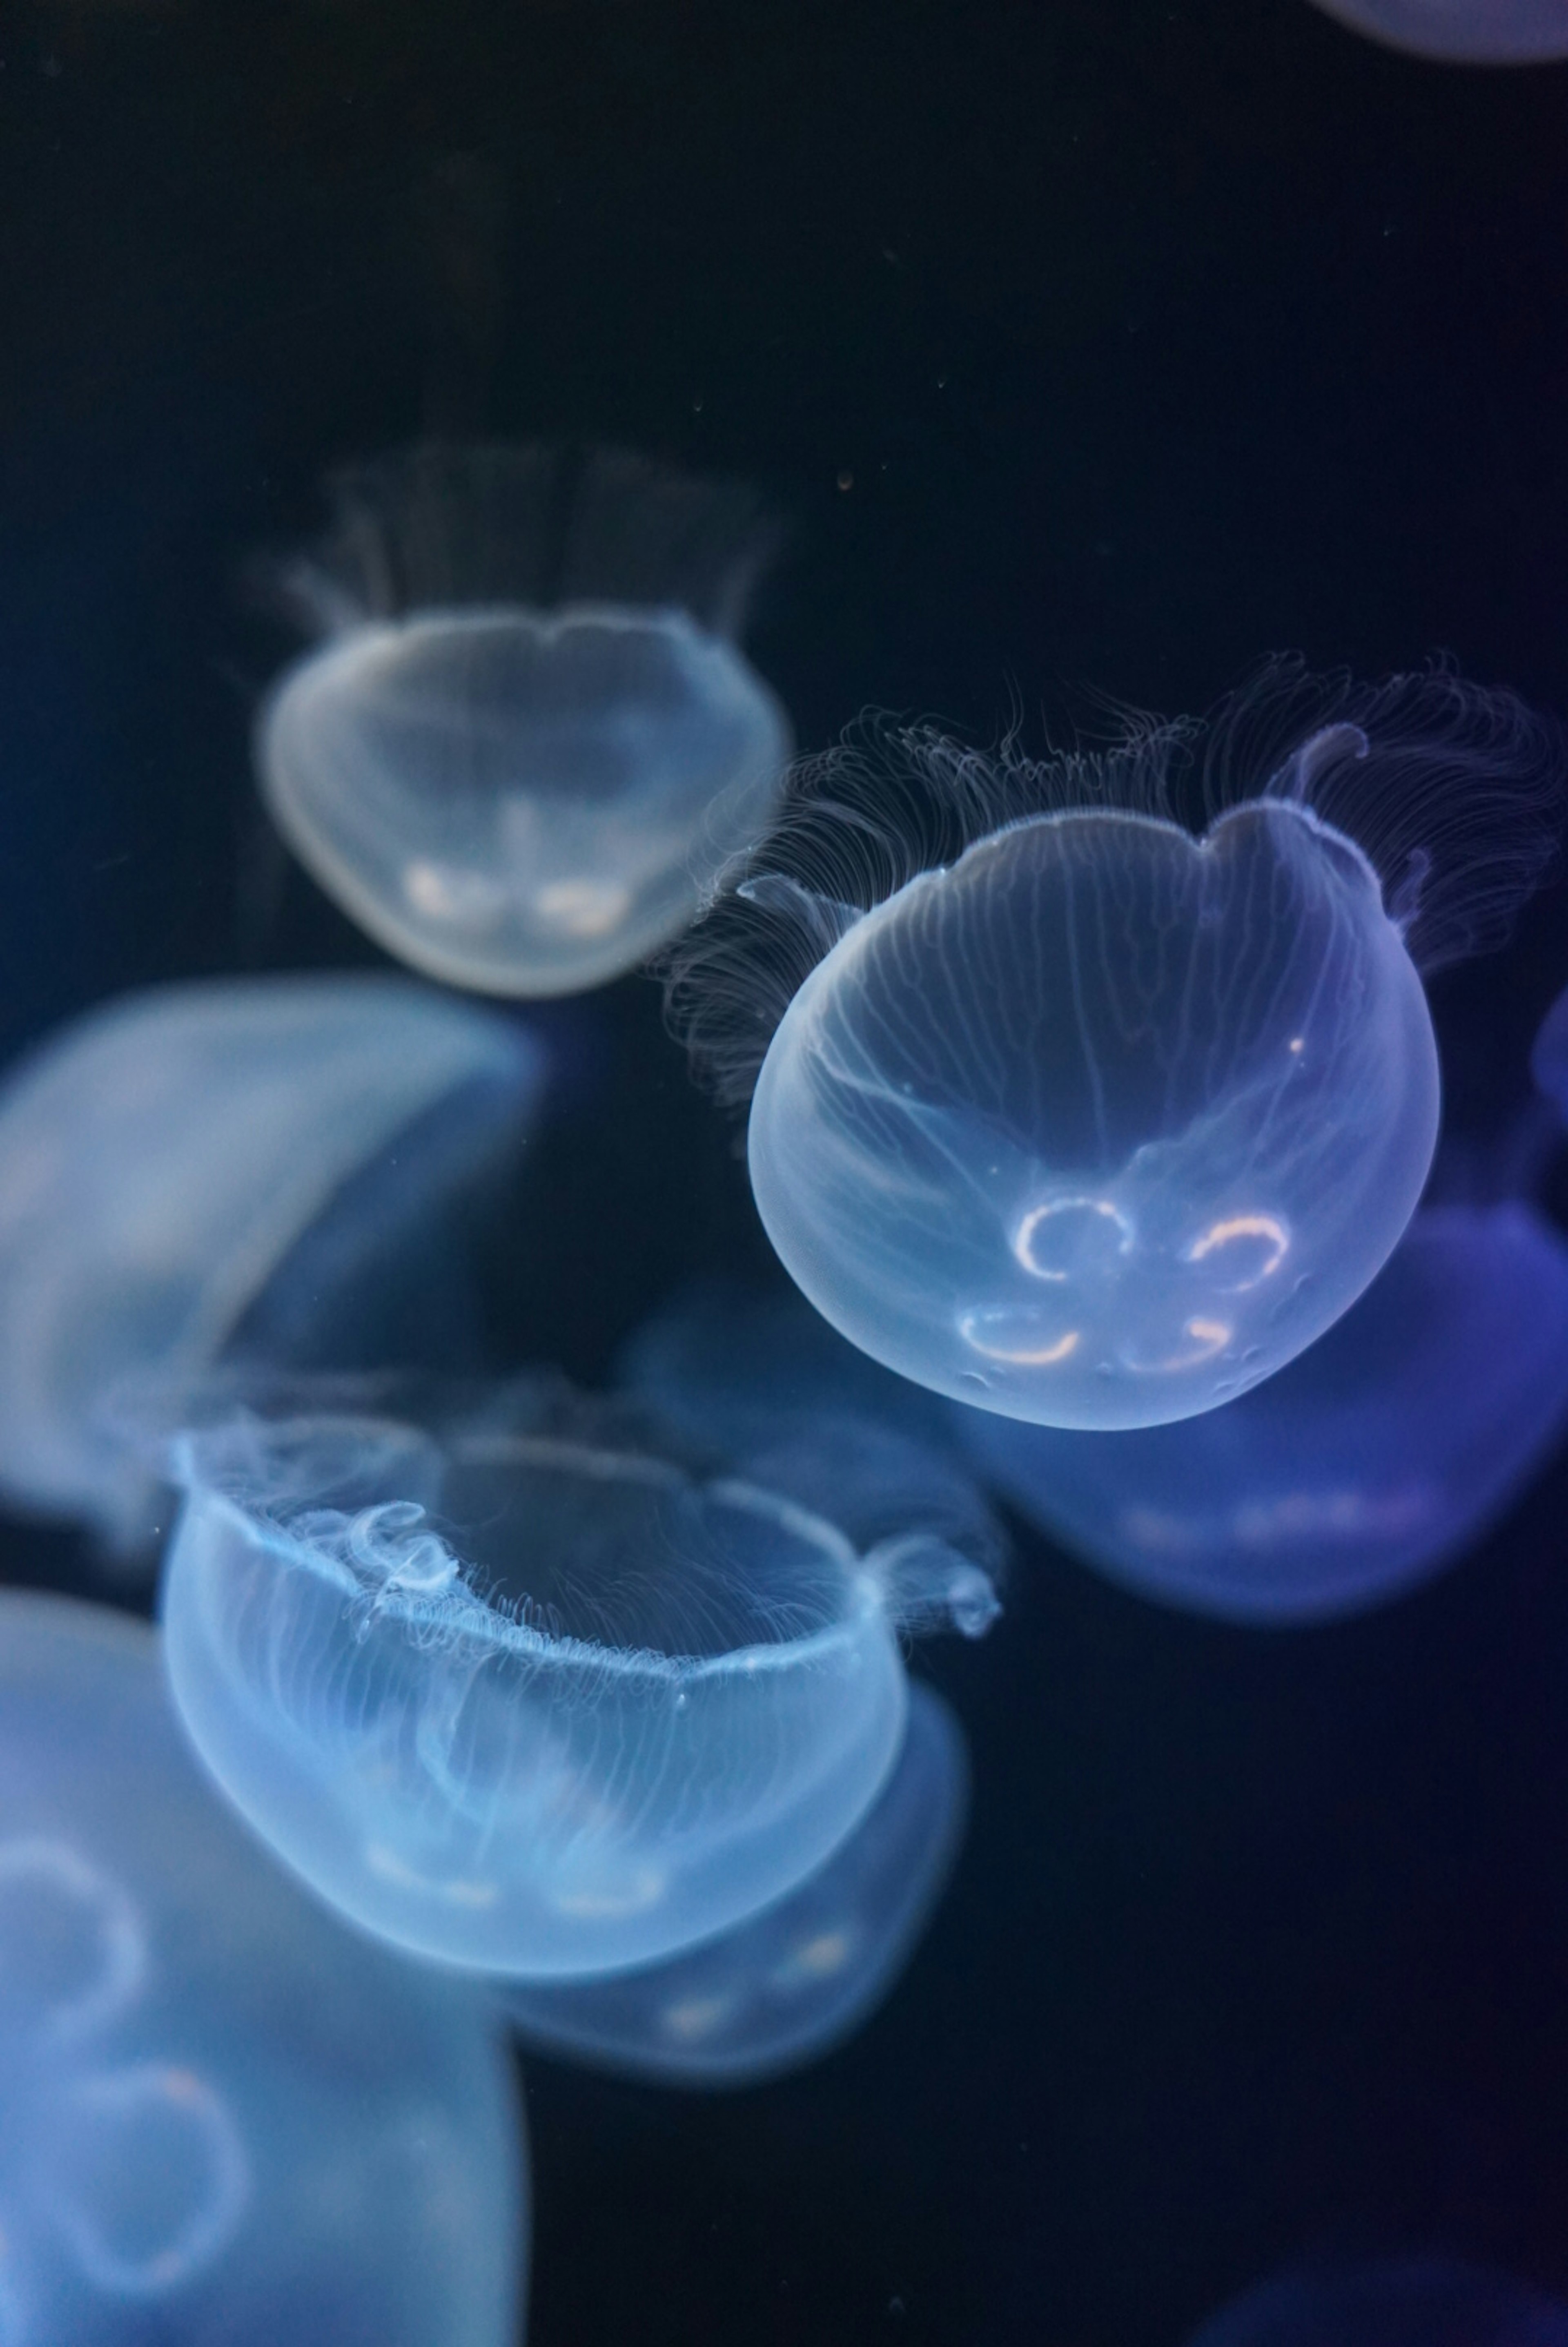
(225, 2118)
(525, 1703)
(159, 1161)
(1366, 1464)
(1394, 2302)
(1549, 1058)
(1101, 1125)
(791, 1983)
(525, 801)
(1465, 32)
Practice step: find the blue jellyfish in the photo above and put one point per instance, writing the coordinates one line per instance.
(163, 1160)
(1549, 1058)
(528, 741)
(225, 2116)
(1368, 1464)
(763, 1383)
(516, 1696)
(793, 1981)
(1094, 1121)
(1390, 2302)
(1463, 31)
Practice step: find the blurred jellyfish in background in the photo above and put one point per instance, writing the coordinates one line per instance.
(518, 1699)
(764, 1383)
(1077, 1115)
(225, 2116)
(528, 741)
(789, 1985)
(215, 1164)
(1549, 1059)
(1463, 31)
(1391, 2302)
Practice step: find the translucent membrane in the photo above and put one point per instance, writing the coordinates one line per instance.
(520, 801)
(1359, 1470)
(1103, 1124)
(787, 1987)
(160, 1159)
(1396, 2302)
(225, 2118)
(529, 1704)
(1464, 32)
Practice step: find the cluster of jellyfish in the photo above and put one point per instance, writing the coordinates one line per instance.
(1093, 1107)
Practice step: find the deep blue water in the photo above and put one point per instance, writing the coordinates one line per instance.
(1082, 344)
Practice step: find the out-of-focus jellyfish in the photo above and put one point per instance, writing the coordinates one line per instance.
(1463, 31)
(763, 1382)
(1390, 2302)
(524, 1701)
(1549, 1059)
(169, 1164)
(1369, 1462)
(791, 1983)
(225, 2116)
(1096, 1120)
(529, 741)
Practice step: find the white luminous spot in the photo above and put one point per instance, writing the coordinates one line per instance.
(1032, 1232)
(582, 908)
(1020, 1355)
(442, 893)
(1266, 1228)
(642, 1890)
(1298, 1044)
(160, 2174)
(821, 1957)
(1206, 1338)
(695, 2018)
(456, 1891)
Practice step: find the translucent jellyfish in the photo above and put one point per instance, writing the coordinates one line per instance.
(1096, 1120)
(1392, 2302)
(226, 2117)
(787, 1987)
(529, 740)
(1464, 32)
(167, 1162)
(1549, 1060)
(517, 1699)
(762, 1382)
(1371, 1460)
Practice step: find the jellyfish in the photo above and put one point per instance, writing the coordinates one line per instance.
(792, 1982)
(522, 1700)
(226, 2116)
(529, 739)
(1549, 1058)
(1463, 31)
(1418, 2302)
(1097, 1121)
(200, 1163)
(762, 1382)
(1371, 1461)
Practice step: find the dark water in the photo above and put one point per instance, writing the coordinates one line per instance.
(1080, 343)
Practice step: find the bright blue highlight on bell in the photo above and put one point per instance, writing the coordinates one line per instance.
(519, 1699)
(1363, 1466)
(161, 1159)
(1463, 31)
(784, 1988)
(225, 2116)
(1390, 2302)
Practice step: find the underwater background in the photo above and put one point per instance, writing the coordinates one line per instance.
(1083, 348)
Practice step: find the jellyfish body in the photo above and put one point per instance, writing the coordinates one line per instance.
(1090, 1117)
(1105, 1123)
(1463, 31)
(1390, 2302)
(1549, 1058)
(793, 1981)
(527, 1704)
(1365, 1465)
(522, 797)
(225, 2116)
(161, 1161)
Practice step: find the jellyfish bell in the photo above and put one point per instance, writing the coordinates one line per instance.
(526, 1703)
(198, 1160)
(226, 2116)
(791, 1983)
(529, 741)
(1371, 1461)
(1463, 31)
(1091, 1119)
(1412, 2301)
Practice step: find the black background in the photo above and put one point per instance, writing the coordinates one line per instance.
(1081, 342)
